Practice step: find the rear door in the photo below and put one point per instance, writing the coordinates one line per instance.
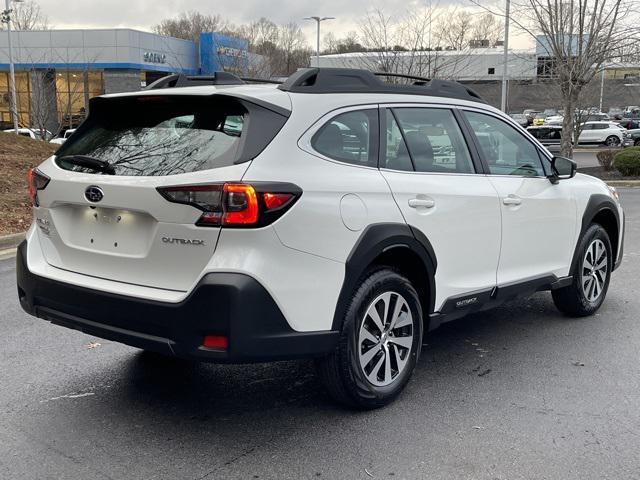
(430, 170)
(587, 134)
(111, 221)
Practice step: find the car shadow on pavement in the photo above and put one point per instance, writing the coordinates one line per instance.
(184, 388)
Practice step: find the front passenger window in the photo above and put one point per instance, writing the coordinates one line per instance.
(505, 149)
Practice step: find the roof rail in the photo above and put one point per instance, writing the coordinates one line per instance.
(180, 80)
(348, 80)
(419, 80)
(261, 80)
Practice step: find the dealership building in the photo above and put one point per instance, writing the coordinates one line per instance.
(58, 71)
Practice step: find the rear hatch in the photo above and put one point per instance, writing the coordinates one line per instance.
(101, 213)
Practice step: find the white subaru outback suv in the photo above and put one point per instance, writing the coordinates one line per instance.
(334, 216)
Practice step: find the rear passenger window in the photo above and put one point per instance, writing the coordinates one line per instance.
(397, 155)
(350, 137)
(426, 140)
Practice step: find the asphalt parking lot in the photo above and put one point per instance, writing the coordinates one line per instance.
(517, 393)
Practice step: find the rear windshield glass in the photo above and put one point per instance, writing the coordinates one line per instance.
(159, 135)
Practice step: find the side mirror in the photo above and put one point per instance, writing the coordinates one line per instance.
(562, 169)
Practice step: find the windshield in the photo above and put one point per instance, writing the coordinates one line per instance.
(154, 136)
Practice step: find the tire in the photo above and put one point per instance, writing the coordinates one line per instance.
(368, 369)
(612, 141)
(637, 143)
(589, 288)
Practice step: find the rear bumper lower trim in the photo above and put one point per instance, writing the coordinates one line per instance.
(230, 304)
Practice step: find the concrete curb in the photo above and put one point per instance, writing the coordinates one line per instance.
(11, 241)
(624, 183)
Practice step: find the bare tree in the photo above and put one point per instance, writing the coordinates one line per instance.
(579, 37)
(189, 25)
(293, 50)
(455, 29)
(379, 33)
(27, 15)
(487, 27)
(412, 44)
(262, 36)
(350, 43)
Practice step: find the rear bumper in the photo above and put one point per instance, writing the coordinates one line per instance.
(229, 304)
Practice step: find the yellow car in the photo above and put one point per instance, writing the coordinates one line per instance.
(539, 120)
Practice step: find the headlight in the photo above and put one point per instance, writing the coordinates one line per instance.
(614, 193)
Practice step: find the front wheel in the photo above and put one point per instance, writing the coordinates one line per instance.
(591, 276)
(379, 344)
(612, 141)
(637, 143)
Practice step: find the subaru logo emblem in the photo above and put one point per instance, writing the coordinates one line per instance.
(94, 194)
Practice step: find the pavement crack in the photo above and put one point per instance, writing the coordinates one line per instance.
(243, 454)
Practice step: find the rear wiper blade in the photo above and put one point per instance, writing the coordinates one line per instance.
(93, 163)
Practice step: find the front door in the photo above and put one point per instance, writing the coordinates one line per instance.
(538, 218)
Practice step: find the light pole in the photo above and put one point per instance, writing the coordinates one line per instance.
(6, 18)
(318, 20)
(602, 87)
(505, 69)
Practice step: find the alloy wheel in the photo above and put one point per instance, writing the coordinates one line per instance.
(594, 270)
(613, 141)
(385, 339)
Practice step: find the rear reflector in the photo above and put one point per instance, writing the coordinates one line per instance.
(217, 342)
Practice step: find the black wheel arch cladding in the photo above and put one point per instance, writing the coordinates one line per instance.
(598, 205)
(375, 241)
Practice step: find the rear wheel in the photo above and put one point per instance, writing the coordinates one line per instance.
(591, 277)
(612, 141)
(379, 345)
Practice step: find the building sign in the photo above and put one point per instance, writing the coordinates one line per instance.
(231, 52)
(223, 53)
(152, 57)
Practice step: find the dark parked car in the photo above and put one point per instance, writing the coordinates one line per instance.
(635, 136)
(629, 123)
(549, 135)
(530, 114)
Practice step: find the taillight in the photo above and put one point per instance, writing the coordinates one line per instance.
(241, 205)
(235, 204)
(36, 180)
(276, 200)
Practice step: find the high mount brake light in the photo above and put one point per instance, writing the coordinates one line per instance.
(36, 180)
(235, 204)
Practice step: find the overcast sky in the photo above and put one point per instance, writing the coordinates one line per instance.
(143, 15)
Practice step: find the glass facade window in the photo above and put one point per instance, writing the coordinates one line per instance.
(74, 89)
(23, 96)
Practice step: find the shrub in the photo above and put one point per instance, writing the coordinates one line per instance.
(627, 162)
(605, 159)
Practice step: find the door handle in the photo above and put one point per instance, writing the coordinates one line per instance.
(512, 200)
(421, 203)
